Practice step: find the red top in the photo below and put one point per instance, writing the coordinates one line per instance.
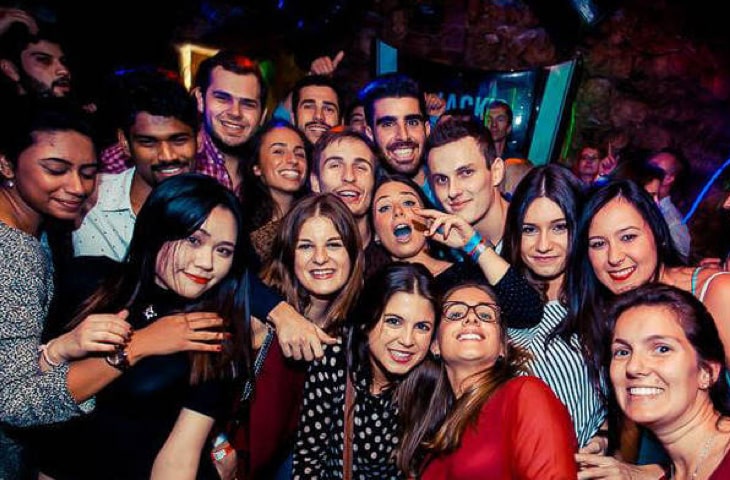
(722, 472)
(523, 432)
(265, 436)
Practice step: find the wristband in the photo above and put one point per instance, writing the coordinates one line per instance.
(477, 251)
(473, 242)
(43, 349)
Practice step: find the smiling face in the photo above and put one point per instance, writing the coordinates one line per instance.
(161, 147)
(231, 107)
(282, 162)
(474, 340)
(321, 262)
(347, 169)
(655, 369)
(56, 174)
(400, 131)
(401, 338)
(544, 244)
(318, 111)
(194, 265)
(399, 230)
(621, 247)
(461, 180)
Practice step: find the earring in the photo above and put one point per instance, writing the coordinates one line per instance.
(500, 359)
(436, 356)
(9, 183)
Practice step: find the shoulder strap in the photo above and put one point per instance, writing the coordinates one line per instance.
(706, 285)
(349, 407)
(693, 285)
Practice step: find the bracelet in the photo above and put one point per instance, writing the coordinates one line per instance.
(43, 349)
(473, 242)
(118, 358)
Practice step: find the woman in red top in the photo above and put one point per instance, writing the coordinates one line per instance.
(483, 420)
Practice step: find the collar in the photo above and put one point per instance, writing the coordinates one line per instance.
(114, 191)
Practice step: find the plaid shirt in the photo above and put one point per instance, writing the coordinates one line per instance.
(209, 160)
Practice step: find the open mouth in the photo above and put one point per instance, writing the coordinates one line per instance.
(402, 232)
(289, 174)
(469, 336)
(400, 356)
(322, 273)
(645, 391)
(623, 274)
(349, 196)
(169, 169)
(403, 152)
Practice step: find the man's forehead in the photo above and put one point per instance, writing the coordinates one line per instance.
(396, 106)
(43, 47)
(317, 92)
(245, 85)
(348, 148)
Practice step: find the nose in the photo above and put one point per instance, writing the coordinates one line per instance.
(204, 258)
(166, 152)
(76, 185)
(471, 317)
(398, 210)
(454, 189)
(348, 174)
(320, 255)
(62, 69)
(615, 254)
(401, 132)
(543, 242)
(636, 366)
(406, 337)
(319, 113)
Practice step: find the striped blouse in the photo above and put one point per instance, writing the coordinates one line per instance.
(564, 370)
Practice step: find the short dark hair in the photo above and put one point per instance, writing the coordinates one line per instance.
(315, 81)
(390, 85)
(159, 95)
(498, 103)
(454, 129)
(232, 62)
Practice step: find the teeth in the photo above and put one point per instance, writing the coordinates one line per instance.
(645, 391)
(403, 152)
(622, 272)
(402, 230)
(469, 336)
(400, 355)
(290, 174)
(322, 272)
(348, 193)
(232, 125)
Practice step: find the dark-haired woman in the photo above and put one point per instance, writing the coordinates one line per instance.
(274, 176)
(485, 420)
(185, 257)
(351, 389)
(668, 373)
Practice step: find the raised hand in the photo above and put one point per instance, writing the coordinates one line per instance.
(298, 337)
(326, 65)
(451, 230)
(9, 16)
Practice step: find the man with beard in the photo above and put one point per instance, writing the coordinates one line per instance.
(34, 64)
(231, 96)
(316, 106)
(395, 110)
(159, 135)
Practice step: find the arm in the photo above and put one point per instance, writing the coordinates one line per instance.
(716, 301)
(520, 303)
(180, 454)
(299, 338)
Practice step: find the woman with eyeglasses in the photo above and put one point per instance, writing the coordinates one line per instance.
(484, 420)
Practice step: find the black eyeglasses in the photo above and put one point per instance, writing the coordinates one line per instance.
(458, 311)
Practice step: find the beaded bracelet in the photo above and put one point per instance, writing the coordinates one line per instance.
(43, 349)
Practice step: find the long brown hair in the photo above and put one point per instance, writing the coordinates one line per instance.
(438, 429)
(279, 273)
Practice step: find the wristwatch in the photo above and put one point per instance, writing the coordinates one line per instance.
(118, 358)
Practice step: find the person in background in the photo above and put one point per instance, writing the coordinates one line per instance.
(274, 177)
(498, 119)
(484, 420)
(355, 116)
(350, 393)
(668, 373)
(316, 106)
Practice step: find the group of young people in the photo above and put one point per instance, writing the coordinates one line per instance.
(299, 299)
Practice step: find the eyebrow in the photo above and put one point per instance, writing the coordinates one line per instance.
(650, 338)
(403, 192)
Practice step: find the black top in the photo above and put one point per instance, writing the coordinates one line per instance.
(135, 414)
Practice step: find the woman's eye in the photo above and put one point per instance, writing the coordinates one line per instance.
(391, 320)
(193, 240)
(596, 244)
(383, 208)
(334, 245)
(225, 252)
(528, 230)
(663, 348)
(423, 326)
(560, 227)
(628, 237)
(304, 246)
(409, 203)
(619, 353)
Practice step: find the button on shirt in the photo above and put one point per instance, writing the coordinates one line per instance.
(107, 228)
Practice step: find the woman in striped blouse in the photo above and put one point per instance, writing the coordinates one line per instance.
(538, 237)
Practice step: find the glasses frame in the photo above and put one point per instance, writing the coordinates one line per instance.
(492, 305)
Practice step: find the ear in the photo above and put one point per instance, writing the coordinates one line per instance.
(497, 171)
(123, 142)
(199, 99)
(9, 70)
(710, 372)
(369, 133)
(435, 348)
(256, 170)
(427, 125)
(314, 183)
(6, 170)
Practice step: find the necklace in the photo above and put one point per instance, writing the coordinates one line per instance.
(700, 458)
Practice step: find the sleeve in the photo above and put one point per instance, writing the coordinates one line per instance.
(264, 298)
(520, 302)
(543, 439)
(316, 422)
(28, 397)
(212, 398)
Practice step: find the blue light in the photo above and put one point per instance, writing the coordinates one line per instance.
(280, 5)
